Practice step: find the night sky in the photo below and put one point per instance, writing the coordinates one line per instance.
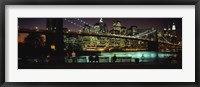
(75, 24)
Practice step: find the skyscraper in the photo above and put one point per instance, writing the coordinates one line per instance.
(174, 29)
(170, 33)
(117, 25)
(174, 35)
(86, 28)
(132, 31)
(100, 27)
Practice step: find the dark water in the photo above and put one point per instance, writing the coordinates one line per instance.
(143, 56)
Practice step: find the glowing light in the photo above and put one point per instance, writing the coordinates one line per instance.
(173, 26)
(36, 28)
(53, 47)
(101, 20)
(48, 56)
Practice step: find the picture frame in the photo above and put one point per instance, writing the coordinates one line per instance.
(98, 2)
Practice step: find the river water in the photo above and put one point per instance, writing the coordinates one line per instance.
(143, 56)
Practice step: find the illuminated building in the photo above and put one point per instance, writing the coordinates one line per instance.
(123, 30)
(86, 28)
(100, 27)
(96, 28)
(170, 33)
(119, 38)
(115, 31)
(174, 36)
(174, 29)
(132, 31)
(71, 42)
(117, 26)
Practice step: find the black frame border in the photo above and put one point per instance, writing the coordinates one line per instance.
(98, 2)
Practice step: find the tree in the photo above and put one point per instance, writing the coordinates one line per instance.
(35, 46)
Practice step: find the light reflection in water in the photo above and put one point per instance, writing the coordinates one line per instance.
(149, 56)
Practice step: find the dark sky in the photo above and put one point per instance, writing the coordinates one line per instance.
(141, 23)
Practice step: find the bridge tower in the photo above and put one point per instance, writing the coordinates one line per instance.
(153, 45)
(54, 41)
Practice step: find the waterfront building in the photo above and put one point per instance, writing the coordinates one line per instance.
(116, 28)
(123, 30)
(117, 25)
(100, 27)
(86, 28)
(170, 33)
(174, 35)
(132, 31)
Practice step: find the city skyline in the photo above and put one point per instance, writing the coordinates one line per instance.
(111, 40)
(77, 24)
(141, 23)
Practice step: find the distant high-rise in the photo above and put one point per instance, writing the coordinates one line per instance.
(96, 28)
(123, 32)
(174, 35)
(100, 27)
(117, 25)
(132, 31)
(86, 28)
(170, 33)
(174, 29)
(116, 28)
(173, 26)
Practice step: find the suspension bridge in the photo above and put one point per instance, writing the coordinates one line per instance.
(150, 35)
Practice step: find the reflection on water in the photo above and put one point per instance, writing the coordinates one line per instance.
(139, 54)
(145, 56)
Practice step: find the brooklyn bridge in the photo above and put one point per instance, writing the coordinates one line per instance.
(143, 37)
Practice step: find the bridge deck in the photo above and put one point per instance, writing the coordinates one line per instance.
(92, 34)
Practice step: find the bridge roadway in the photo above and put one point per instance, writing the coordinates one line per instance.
(92, 34)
